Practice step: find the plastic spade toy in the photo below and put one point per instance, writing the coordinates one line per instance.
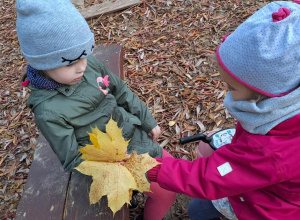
(215, 141)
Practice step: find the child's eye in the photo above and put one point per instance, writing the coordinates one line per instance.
(72, 63)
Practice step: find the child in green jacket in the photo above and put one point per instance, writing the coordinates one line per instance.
(72, 92)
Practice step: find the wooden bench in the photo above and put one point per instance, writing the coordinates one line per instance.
(52, 194)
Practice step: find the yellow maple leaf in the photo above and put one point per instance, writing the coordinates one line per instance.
(115, 173)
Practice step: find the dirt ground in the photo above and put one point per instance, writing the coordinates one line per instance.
(166, 46)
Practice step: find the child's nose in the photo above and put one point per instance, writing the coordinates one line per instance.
(81, 65)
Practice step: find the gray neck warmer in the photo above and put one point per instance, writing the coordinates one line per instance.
(260, 117)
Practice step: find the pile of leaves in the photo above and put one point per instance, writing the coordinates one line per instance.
(166, 44)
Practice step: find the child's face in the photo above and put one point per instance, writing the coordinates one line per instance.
(70, 74)
(238, 91)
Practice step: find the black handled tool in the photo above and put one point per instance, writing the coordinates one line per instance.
(216, 140)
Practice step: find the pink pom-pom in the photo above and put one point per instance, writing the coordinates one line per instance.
(281, 14)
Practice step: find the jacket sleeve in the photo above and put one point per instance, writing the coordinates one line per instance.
(129, 100)
(61, 138)
(227, 172)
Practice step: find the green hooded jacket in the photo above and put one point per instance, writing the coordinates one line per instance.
(66, 114)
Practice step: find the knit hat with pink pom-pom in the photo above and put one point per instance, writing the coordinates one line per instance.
(263, 53)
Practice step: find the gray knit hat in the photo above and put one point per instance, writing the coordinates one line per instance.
(52, 33)
(263, 53)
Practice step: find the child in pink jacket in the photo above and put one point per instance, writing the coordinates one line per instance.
(257, 176)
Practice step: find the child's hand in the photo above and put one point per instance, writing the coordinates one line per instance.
(155, 133)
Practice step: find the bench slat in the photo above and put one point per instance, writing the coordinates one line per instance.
(112, 57)
(46, 186)
(105, 7)
(79, 188)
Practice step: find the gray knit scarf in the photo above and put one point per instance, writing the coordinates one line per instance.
(260, 117)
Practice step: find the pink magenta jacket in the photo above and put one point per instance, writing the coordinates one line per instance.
(261, 173)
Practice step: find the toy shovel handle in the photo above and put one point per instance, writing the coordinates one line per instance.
(196, 137)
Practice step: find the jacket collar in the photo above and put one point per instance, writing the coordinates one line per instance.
(69, 90)
(38, 96)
